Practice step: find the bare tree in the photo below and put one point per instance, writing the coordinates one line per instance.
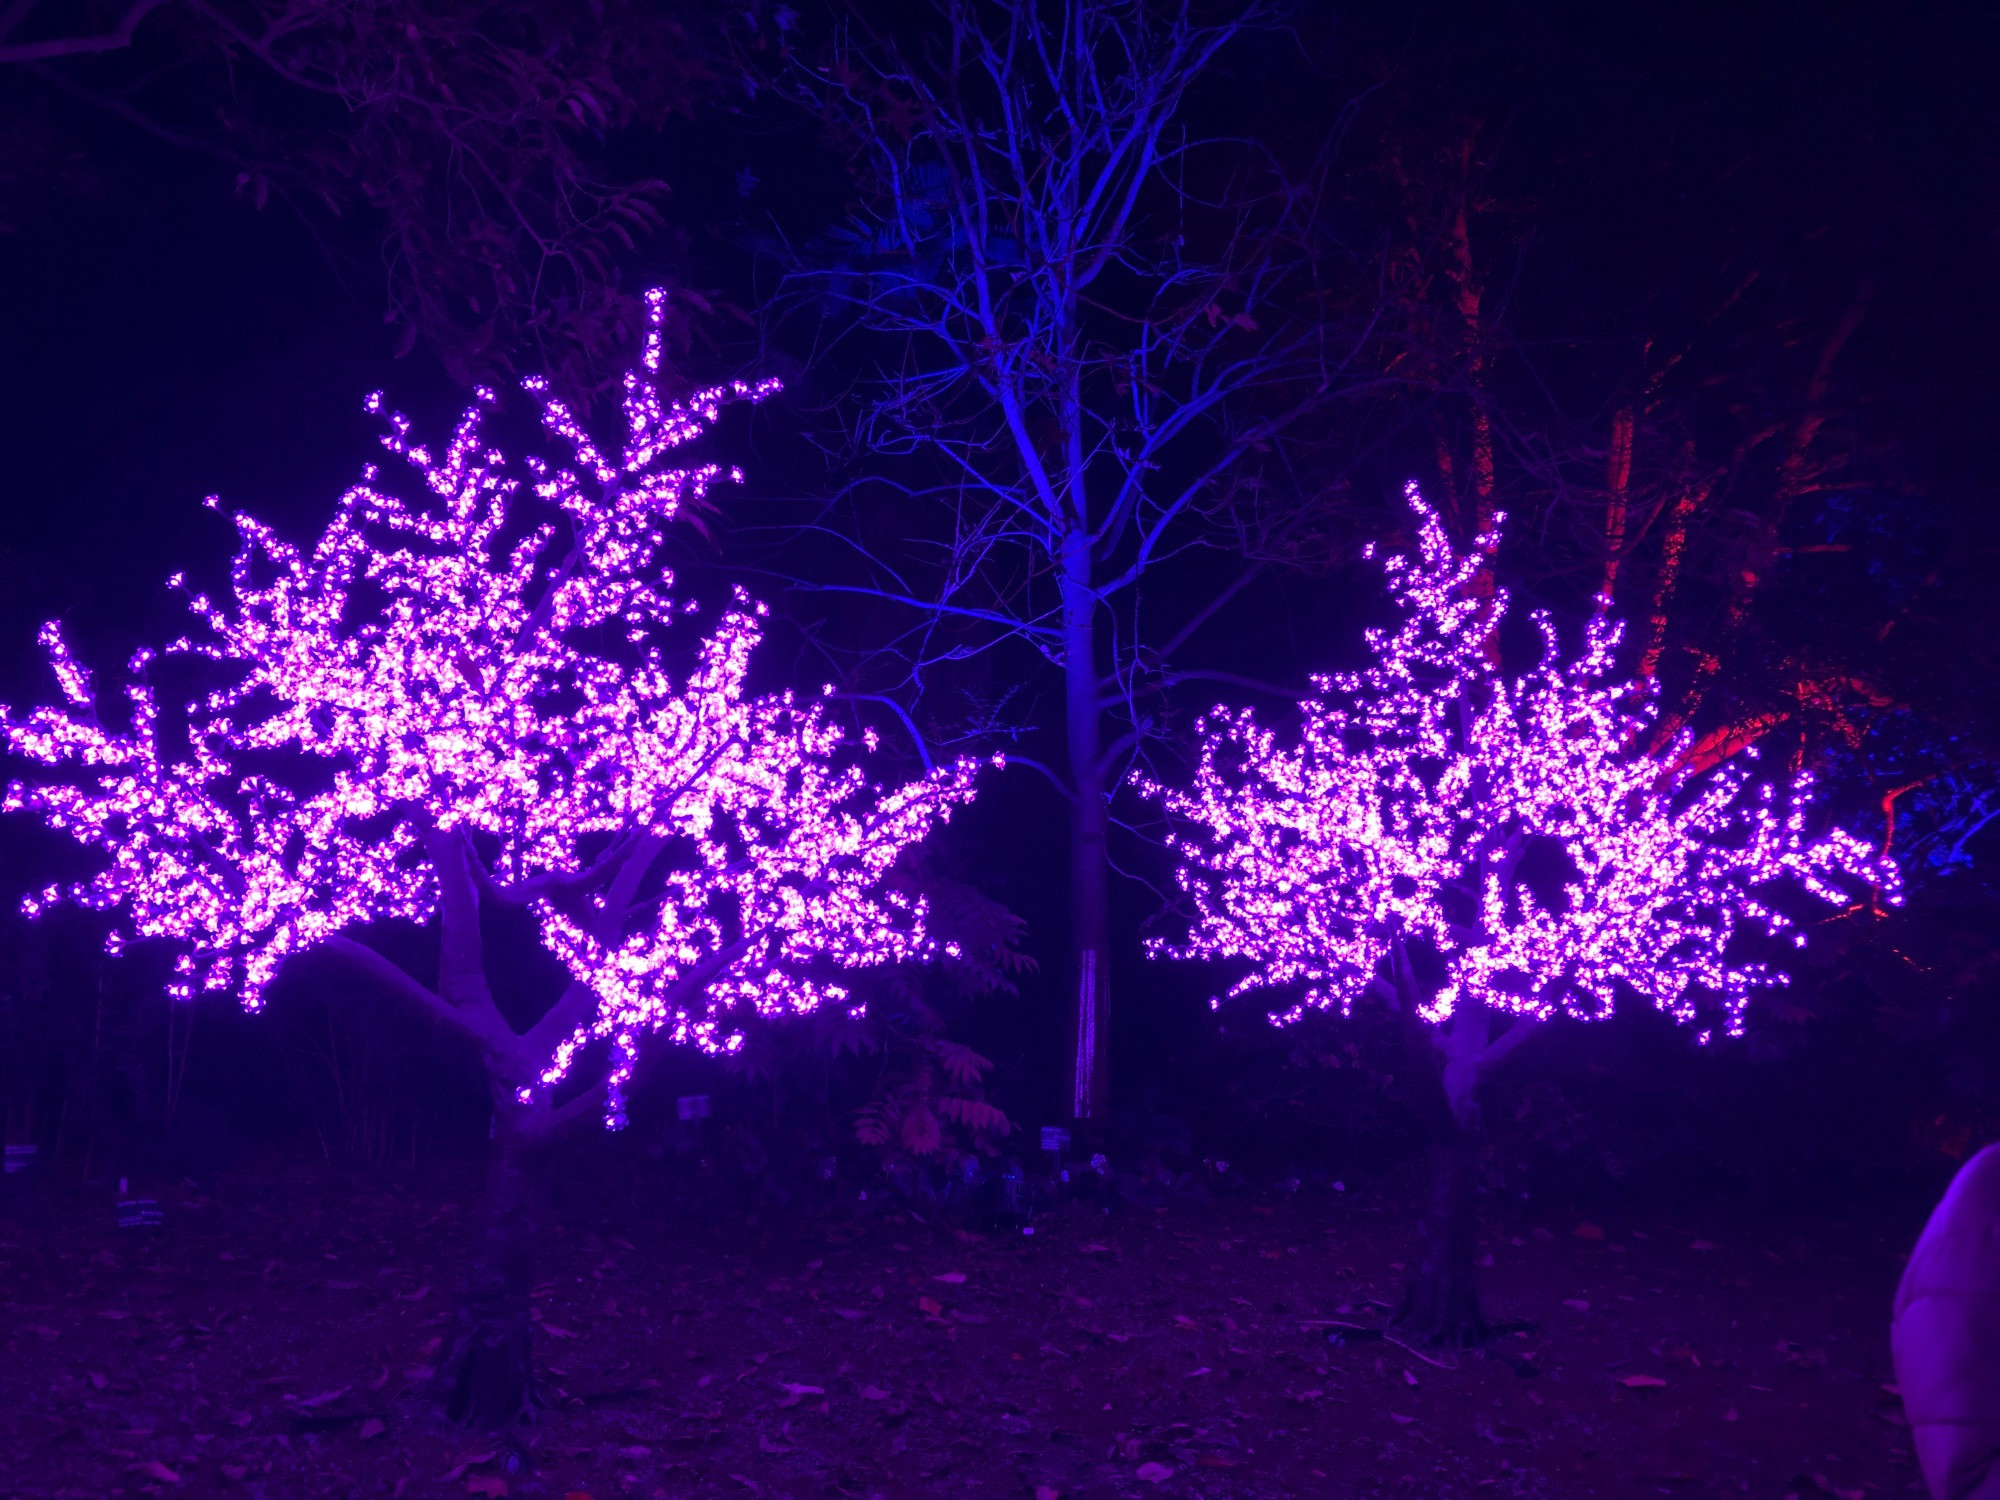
(1090, 331)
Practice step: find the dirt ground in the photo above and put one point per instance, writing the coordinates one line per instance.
(270, 1340)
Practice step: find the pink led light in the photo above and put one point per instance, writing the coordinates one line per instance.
(1423, 777)
(491, 658)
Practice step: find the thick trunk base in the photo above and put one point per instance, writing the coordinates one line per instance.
(1440, 1305)
(488, 1377)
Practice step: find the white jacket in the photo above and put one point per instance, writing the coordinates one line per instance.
(1946, 1337)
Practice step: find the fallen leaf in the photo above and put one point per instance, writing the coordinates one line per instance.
(930, 1306)
(326, 1398)
(748, 1484)
(952, 1278)
(1155, 1473)
(98, 1379)
(1581, 1304)
(850, 1313)
(373, 1427)
(1702, 1245)
(803, 1390)
(765, 1445)
(463, 1464)
(1408, 1378)
(1730, 1415)
(1182, 1320)
(1642, 1382)
(556, 1332)
(1046, 1492)
(1587, 1232)
(1400, 1420)
(152, 1468)
(1094, 1248)
(873, 1393)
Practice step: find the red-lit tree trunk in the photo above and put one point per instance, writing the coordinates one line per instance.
(1618, 487)
(1798, 472)
(1672, 546)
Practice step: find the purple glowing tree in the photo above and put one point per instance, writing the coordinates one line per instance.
(1510, 827)
(465, 698)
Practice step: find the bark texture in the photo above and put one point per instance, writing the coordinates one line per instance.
(1089, 869)
(1440, 1303)
(488, 1376)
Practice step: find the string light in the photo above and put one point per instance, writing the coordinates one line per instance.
(490, 659)
(1417, 785)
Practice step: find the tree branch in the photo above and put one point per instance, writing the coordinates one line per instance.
(119, 37)
(1507, 1043)
(468, 1023)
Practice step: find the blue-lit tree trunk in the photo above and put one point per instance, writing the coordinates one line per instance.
(1090, 827)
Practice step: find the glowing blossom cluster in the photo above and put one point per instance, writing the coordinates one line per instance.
(485, 670)
(1508, 822)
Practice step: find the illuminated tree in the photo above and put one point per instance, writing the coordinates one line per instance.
(466, 697)
(1512, 827)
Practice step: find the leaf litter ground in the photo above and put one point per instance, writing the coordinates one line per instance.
(272, 1341)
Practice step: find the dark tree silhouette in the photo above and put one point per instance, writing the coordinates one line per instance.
(467, 138)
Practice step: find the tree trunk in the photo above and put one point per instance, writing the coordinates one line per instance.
(1441, 1301)
(1089, 868)
(488, 1378)
(1440, 1304)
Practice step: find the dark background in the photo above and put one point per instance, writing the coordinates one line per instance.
(1727, 180)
